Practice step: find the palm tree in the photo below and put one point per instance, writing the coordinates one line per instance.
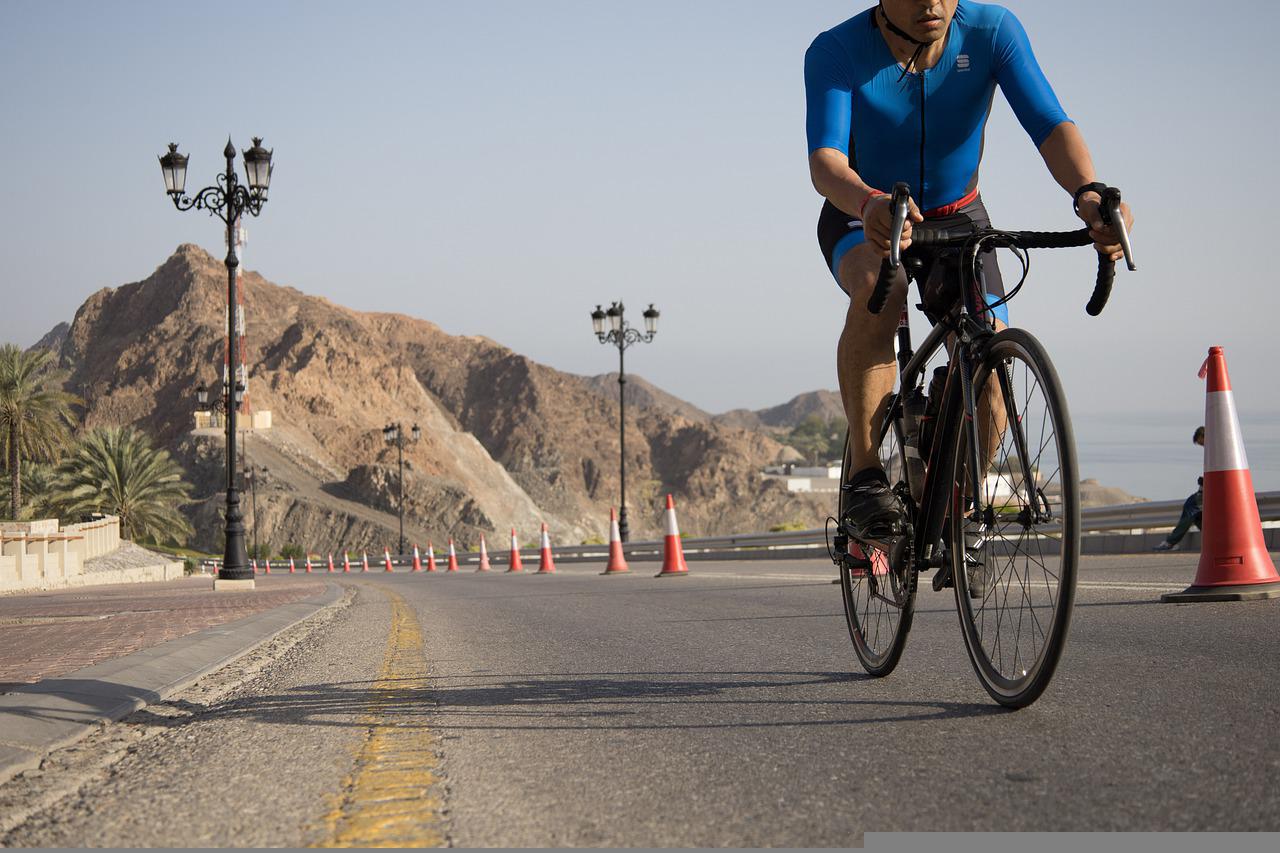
(39, 490)
(35, 413)
(116, 471)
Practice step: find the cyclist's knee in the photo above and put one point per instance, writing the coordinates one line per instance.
(859, 269)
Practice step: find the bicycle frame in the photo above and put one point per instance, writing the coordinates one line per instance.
(968, 335)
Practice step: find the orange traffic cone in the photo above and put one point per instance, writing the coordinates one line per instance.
(453, 558)
(386, 553)
(484, 556)
(617, 560)
(308, 564)
(268, 569)
(346, 563)
(514, 564)
(365, 556)
(673, 555)
(417, 558)
(1234, 564)
(292, 570)
(546, 565)
(331, 568)
(254, 563)
(431, 556)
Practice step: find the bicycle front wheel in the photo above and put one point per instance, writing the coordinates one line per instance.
(879, 597)
(1014, 535)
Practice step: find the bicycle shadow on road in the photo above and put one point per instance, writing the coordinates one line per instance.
(578, 701)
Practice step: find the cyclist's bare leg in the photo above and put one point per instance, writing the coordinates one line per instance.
(993, 416)
(864, 356)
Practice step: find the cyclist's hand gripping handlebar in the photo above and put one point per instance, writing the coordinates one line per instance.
(900, 202)
(1111, 216)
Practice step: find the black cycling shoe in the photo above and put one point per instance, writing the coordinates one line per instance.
(872, 510)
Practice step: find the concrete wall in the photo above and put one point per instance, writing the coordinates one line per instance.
(101, 536)
(40, 555)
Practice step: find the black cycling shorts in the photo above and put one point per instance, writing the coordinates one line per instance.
(838, 233)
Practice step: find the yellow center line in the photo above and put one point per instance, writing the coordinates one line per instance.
(392, 797)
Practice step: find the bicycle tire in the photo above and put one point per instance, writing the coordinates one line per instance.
(878, 629)
(987, 566)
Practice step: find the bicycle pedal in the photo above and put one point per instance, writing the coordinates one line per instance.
(943, 580)
(852, 562)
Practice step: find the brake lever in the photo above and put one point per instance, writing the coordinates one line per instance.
(1113, 216)
(901, 202)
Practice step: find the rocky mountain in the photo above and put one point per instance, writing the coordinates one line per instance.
(505, 441)
(643, 394)
(824, 404)
(54, 338)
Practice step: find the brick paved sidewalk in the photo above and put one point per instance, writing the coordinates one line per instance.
(47, 634)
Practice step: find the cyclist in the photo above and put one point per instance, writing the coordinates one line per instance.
(901, 92)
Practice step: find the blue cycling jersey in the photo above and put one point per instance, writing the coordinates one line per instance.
(927, 128)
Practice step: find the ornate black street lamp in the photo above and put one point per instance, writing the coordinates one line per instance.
(394, 434)
(621, 335)
(228, 200)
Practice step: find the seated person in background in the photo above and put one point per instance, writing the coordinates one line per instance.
(1190, 510)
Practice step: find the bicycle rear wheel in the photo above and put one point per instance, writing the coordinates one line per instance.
(879, 598)
(1015, 546)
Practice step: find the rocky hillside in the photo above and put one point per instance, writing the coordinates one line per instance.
(643, 394)
(824, 404)
(505, 441)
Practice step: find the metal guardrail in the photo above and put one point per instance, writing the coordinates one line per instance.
(1125, 517)
(813, 543)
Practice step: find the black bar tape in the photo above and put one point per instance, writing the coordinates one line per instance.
(878, 296)
(1052, 239)
(1102, 290)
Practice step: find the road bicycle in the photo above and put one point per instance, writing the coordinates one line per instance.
(984, 465)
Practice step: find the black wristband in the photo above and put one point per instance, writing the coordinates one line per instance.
(1094, 187)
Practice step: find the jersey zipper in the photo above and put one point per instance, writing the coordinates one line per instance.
(922, 100)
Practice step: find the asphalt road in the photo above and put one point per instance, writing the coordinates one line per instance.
(723, 708)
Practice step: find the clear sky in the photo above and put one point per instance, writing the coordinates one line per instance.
(501, 167)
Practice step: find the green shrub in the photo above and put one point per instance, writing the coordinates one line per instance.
(788, 526)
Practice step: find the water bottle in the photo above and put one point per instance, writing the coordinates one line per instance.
(929, 421)
(913, 408)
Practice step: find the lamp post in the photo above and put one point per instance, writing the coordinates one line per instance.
(228, 200)
(621, 335)
(394, 434)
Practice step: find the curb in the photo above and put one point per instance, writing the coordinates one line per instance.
(36, 719)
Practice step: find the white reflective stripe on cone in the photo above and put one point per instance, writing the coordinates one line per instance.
(546, 540)
(614, 535)
(672, 530)
(1224, 446)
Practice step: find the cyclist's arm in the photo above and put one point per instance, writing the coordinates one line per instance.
(829, 103)
(1069, 161)
(837, 181)
(1041, 115)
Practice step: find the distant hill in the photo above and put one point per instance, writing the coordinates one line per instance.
(824, 404)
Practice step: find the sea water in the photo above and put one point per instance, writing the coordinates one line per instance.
(1151, 454)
